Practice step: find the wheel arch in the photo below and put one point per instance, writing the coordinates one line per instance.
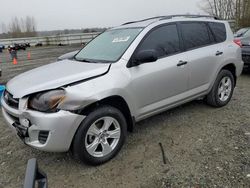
(115, 101)
(232, 68)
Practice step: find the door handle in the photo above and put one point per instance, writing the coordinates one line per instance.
(218, 53)
(181, 63)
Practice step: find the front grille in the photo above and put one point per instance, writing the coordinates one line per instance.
(43, 136)
(8, 98)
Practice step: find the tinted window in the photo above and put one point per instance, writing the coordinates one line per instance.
(219, 31)
(195, 35)
(164, 40)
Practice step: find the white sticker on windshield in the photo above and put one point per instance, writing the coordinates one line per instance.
(121, 39)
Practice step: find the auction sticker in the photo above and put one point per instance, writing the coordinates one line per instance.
(121, 39)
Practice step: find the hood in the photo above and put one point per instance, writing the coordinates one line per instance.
(54, 75)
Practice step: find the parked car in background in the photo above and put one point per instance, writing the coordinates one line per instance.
(241, 32)
(2, 47)
(27, 44)
(38, 44)
(126, 74)
(243, 35)
(17, 47)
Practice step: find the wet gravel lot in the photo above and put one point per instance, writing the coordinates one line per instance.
(204, 146)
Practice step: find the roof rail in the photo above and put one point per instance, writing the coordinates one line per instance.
(173, 16)
(152, 18)
(189, 16)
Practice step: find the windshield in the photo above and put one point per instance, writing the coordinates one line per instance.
(109, 46)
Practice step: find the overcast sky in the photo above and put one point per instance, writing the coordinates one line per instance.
(69, 14)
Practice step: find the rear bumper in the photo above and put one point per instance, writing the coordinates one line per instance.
(56, 129)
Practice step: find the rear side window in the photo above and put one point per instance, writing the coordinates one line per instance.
(164, 40)
(219, 31)
(195, 34)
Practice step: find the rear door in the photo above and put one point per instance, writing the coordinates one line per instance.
(203, 53)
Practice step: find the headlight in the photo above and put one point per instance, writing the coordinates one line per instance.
(46, 101)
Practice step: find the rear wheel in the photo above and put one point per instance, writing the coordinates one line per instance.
(222, 91)
(100, 136)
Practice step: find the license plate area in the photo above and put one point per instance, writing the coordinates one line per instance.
(22, 131)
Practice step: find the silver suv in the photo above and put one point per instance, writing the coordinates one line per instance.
(87, 103)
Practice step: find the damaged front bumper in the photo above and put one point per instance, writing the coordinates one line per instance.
(51, 132)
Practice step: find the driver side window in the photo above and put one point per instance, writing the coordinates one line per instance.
(164, 40)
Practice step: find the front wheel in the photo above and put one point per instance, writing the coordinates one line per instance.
(100, 136)
(222, 91)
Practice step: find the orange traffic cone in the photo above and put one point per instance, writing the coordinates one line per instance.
(29, 56)
(14, 61)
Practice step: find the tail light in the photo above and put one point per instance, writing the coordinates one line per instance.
(238, 42)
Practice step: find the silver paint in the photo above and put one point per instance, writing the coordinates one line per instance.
(148, 89)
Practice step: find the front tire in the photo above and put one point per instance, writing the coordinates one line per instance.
(222, 91)
(100, 136)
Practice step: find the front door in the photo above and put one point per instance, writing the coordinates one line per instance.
(158, 84)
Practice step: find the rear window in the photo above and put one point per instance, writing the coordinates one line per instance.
(195, 35)
(219, 31)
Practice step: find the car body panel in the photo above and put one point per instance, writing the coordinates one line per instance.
(246, 55)
(161, 79)
(61, 126)
(245, 41)
(52, 76)
(246, 50)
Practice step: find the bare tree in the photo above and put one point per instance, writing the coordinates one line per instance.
(4, 28)
(238, 10)
(30, 24)
(15, 28)
(243, 13)
(224, 9)
(22, 27)
(22, 24)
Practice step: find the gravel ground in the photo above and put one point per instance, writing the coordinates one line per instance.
(204, 147)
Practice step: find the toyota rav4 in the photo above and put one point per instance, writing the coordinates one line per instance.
(88, 103)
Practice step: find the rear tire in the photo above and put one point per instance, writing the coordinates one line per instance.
(100, 136)
(222, 91)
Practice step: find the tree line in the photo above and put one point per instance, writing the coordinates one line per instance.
(19, 27)
(237, 10)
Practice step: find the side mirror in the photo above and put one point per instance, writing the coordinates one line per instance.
(145, 56)
(34, 177)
